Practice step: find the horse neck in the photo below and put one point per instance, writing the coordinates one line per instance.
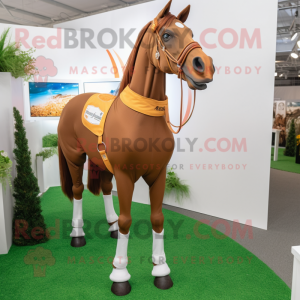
(148, 81)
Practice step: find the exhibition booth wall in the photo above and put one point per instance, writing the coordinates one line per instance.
(223, 153)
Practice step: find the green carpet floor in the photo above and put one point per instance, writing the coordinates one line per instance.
(284, 163)
(83, 273)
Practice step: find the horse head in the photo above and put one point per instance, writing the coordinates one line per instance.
(174, 51)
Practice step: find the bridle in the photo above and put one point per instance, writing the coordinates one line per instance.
(179, 62)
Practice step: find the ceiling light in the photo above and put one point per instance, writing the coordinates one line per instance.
(286, 40)
(294, 36)
(294, 55)
(299, 75)
(298, 44)
(275, 74)
(280, 75)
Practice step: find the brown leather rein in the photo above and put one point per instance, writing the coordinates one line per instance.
(179, 62)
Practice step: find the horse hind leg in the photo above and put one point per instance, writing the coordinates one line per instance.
(77, 233)
(111, 216)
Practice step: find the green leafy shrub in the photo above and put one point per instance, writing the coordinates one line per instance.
(290, 149)
(176, 186)
(5, 169)
(47, 153)
(50, 140)
(14, 60)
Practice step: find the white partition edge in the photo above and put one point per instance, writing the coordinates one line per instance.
(8, 88)
(4, 247)
(40, 173)
(296, 273)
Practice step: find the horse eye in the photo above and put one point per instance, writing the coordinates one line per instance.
(166, 36)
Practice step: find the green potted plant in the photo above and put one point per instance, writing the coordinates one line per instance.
(298, 150)
(47, 153)
(5, 170)
(290, 149)
(20, 63)
(50, 140)
(176, 187)
(50, 143)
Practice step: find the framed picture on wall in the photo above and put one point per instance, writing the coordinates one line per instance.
(102, 87)
(48, 99)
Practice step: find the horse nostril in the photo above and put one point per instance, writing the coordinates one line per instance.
(198, 64)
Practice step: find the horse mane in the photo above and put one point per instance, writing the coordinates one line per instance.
(129, 69)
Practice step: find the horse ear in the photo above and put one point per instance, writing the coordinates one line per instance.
(184, 14)
(165, 10)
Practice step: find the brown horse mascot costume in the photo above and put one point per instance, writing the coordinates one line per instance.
(137, 139)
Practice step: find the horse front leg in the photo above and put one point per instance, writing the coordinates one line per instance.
(161, 269)
(120, 275)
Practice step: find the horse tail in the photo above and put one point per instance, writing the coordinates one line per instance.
(94, 178)
(65, 175)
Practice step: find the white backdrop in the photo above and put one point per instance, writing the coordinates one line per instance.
(236, 109)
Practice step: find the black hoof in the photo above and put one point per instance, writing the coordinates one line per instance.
(163, 283)
(78, 241)
(121, 288)
(114, 234)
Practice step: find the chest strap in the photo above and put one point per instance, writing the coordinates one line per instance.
(103, 154)
(94, 116)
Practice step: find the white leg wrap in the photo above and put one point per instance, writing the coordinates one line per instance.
(77, 232)
(158, 255)
(114, 227)
(121, 260)
(161, 270)
(120, 274)
(111, 215)
(77, 221)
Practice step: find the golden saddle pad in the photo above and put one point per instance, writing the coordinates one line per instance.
(95, 112)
